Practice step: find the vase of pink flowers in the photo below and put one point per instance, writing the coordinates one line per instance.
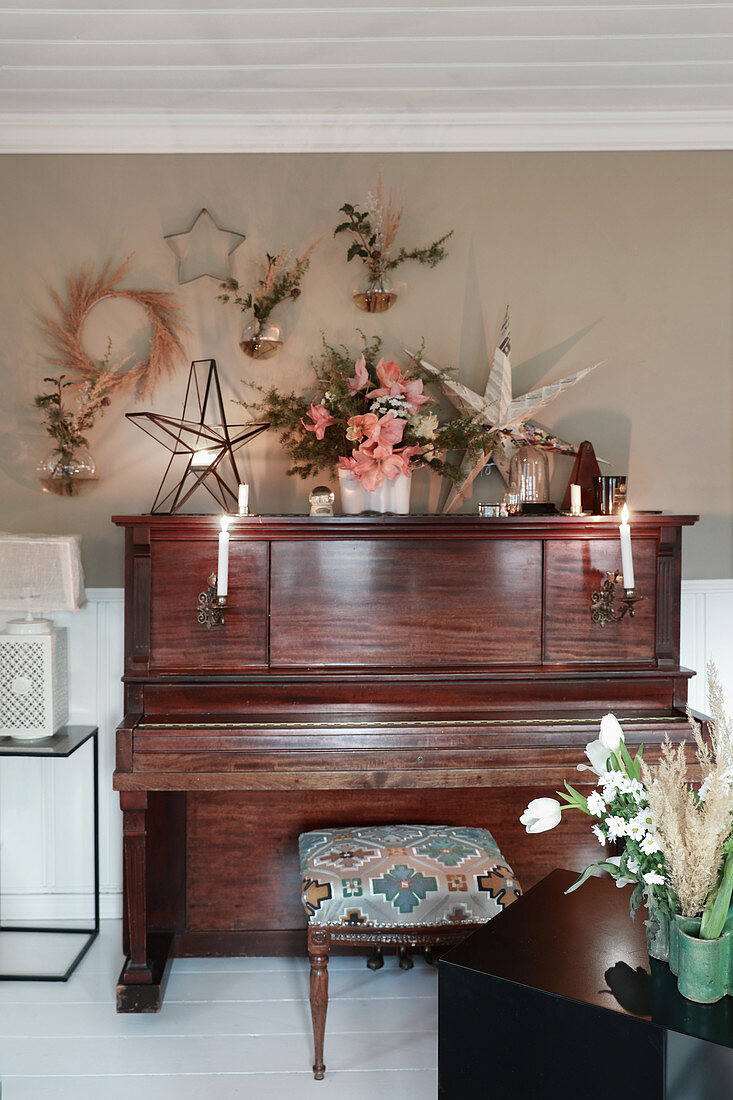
(370, 421)
(391, 496)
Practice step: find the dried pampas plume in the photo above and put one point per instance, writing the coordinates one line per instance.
(692, 829)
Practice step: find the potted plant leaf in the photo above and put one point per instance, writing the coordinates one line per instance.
(373, 233)
(283, 274)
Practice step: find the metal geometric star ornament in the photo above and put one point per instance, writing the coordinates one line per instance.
(506, 418)
(201, 443)
(204, 249)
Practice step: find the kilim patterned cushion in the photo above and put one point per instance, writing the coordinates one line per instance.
(412, 875)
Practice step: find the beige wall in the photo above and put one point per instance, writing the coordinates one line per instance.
(623, 257)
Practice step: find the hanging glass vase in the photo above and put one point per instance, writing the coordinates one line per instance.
(375, 294)
(261, 340)
(67, 473)
(529, 475)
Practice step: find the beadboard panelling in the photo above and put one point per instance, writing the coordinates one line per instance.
(707, 613)
(46, 869)
(103, 76)
(45, 819)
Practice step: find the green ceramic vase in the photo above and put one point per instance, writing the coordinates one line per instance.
(704, 968)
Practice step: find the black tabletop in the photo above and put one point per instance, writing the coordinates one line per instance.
(64, 743)
(585, 947)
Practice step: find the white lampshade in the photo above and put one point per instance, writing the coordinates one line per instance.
(40, 573)
(37, 573)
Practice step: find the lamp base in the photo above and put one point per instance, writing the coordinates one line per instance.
(29, 626)
(34, 699)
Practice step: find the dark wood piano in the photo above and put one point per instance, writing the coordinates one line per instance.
(386, 669)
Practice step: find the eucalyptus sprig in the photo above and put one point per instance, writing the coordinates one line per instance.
(374, 230)
(282, 277)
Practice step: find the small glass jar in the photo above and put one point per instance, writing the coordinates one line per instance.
(529, 475)
(261, 340)
(375, 295)
(67, 473)
(321, 500)
(489, 511)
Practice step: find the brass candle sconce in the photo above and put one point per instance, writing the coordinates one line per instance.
(210, 608)
(604, 608)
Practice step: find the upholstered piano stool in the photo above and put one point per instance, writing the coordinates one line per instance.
(403, 886)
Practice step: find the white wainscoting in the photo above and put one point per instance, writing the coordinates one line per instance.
(46, 812)
(45, 806)
(707, 634)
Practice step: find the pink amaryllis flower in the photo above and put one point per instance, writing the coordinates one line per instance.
(388, 429)
(361, 376)
(395, 384)
(321, 418)
(374, 429)
(357, 427)
(375, 463)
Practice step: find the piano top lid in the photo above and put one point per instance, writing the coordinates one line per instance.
(413, 526)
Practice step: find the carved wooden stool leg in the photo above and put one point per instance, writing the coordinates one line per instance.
(318, 944)
(405, 960)
(376, 960)
(430, 958)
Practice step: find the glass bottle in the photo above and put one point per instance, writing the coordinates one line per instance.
(529, 475)
(67, 473)
(375, 294)
(261, 340)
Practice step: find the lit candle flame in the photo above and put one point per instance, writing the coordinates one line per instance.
(625, 514)
(225, 523)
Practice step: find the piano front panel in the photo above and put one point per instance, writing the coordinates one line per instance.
(243, 873)
(179, 572)
(395, 603)
(574, 569)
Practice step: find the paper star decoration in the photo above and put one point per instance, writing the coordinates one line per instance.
(201, 438)
(505, 416)
(204, 249)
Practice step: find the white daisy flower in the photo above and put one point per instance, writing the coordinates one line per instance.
(616, 826)
(649, 844)
(652, 878)
(639, 826)
(599, 834)
(637, 791)
(596, 804)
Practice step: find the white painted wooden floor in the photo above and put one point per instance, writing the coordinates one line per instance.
(228, 1028)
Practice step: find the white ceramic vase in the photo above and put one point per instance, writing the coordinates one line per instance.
(391, 496)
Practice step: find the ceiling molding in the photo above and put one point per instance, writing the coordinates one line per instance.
(283, 132)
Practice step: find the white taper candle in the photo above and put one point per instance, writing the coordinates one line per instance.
(222, 568)
(243, 498)
(575, 503)
(627, 561)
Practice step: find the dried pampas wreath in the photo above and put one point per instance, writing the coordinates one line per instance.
(84, 291)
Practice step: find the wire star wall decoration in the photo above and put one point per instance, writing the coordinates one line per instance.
(507, 418)
(204, 249)
(200, 441)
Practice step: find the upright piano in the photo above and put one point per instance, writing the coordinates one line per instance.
(417, 669)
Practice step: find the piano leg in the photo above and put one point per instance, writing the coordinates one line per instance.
(319, 942)
(134, 805)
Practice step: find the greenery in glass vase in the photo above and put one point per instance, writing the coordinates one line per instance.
(67, 425)
(281, 281)
(368, 416)
(374, 231)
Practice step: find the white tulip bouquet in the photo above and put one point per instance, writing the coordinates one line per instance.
(620, 812)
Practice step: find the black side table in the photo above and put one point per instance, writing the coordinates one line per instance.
(59, 747)
(557, 996)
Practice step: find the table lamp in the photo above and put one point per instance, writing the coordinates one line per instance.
(37, 573)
